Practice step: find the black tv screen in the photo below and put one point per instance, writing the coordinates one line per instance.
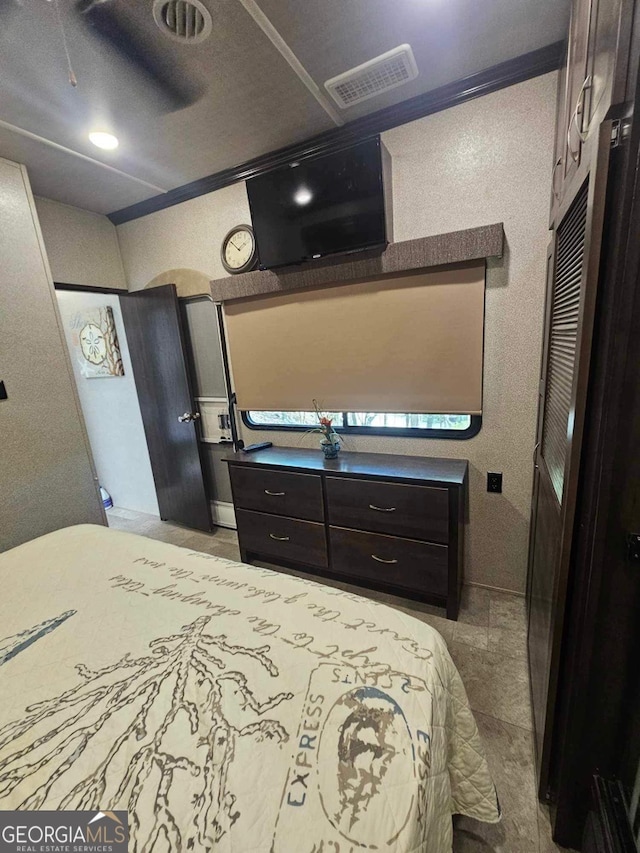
(321, 206)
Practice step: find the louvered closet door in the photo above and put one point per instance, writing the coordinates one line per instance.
(562, 341)
(565, 310)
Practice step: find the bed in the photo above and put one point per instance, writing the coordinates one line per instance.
(227, 706)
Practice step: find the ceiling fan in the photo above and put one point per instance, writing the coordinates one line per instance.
(107, 20)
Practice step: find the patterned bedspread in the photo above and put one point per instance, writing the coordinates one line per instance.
(226, 706)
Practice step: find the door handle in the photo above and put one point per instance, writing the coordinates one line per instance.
(579, 110)
(557, 164)
(188, 417)
(573, 123)
(381, 560)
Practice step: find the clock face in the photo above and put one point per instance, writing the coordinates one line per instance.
(94, 347)
(238, 249)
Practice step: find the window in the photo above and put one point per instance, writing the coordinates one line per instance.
(372, 423)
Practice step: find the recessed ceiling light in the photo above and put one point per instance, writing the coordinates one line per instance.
(104, 140)
(302, 196)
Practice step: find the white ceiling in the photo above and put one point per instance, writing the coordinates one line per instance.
(253, 100)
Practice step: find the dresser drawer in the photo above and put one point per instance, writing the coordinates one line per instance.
(277, 536)
(388, 559)
(279, 492)
(419, 512)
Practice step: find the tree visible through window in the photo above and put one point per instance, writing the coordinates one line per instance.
(405, 420)
(457, 425)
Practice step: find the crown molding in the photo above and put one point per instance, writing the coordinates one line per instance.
(475, 86)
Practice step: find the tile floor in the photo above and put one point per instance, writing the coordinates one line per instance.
(488, 645)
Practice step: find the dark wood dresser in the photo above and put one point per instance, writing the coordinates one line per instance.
(394, 523)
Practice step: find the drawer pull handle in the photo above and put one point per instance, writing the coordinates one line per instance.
(382, 508)
(381, 560)
(279, 538)
(274, 494)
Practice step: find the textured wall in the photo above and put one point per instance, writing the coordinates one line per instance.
(185, 235)
(47, 475)
(112, 413)
(488, 160)
(82, 247)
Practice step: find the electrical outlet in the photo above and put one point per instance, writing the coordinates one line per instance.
(494, 482)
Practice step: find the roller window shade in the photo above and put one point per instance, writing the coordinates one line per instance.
(411, 343)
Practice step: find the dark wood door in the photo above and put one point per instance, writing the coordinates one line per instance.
(599, 728)
(573, 268)
(156, 342)
(543, 543)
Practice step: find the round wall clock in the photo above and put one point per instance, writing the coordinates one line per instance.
(239, 251)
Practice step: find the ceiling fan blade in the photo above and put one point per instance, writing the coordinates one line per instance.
(102, 16)
(7, 9)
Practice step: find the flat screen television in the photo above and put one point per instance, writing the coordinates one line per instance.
(325, 205)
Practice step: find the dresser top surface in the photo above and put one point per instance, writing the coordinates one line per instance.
(384, 465)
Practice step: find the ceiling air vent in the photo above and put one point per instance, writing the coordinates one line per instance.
(184, 20)
(387, 71)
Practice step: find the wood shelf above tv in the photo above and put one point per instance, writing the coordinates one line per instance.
(486, 241)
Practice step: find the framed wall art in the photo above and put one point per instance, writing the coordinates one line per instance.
(95, 343)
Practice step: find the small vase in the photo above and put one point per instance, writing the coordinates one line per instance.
(330, 448)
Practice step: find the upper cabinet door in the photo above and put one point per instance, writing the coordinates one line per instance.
(591, 81)
(560, 146)
(577, 86)
(607, 58)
